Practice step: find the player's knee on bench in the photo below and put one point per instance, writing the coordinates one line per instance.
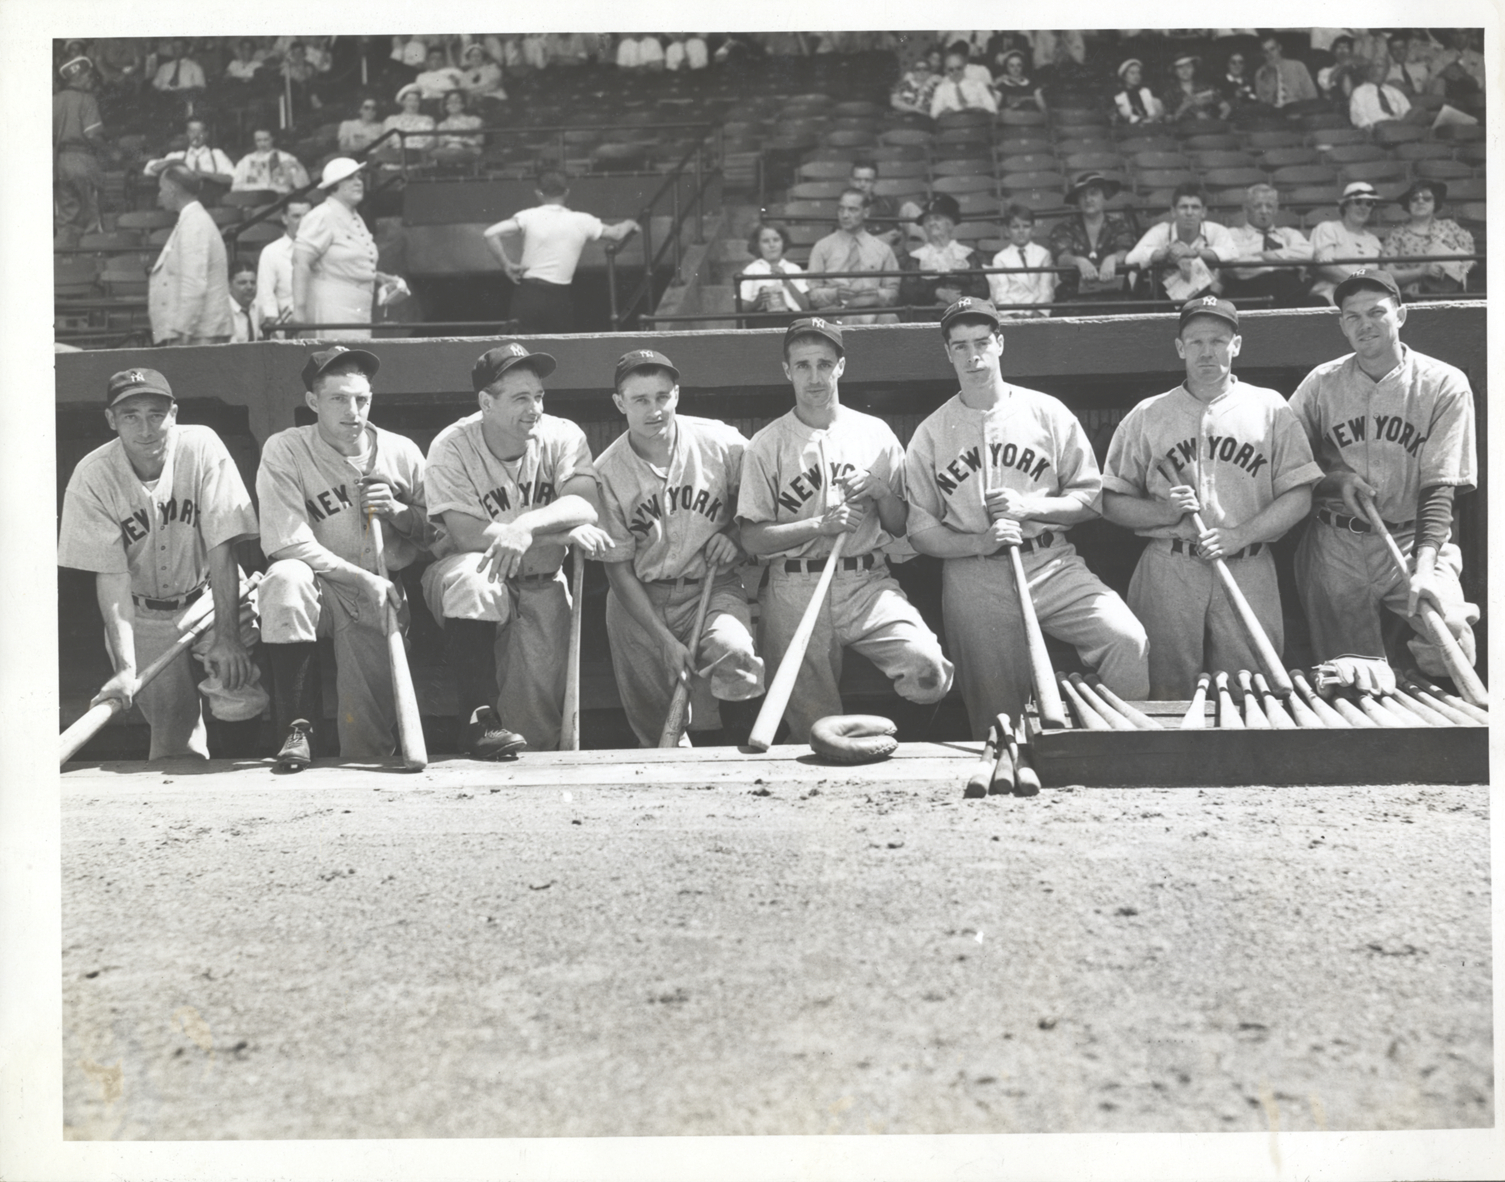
(288, 601)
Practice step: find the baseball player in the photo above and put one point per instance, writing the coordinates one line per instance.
(996, 466)
(509, 488)
(820, 471)
(1393, 424)
(155, 514)
(318, 487)
(669, 498)
(1234, 453)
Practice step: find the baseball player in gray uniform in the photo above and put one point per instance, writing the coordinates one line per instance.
(1236, 454)
(155, 514)
(509, 488)
(820, 471)
(999, 465)
(1398, 426)
(669, 498)
(318, 487)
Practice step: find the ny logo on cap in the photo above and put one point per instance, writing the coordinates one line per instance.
(964, 302)
(642, 352)
(817, 322)
(136, 377)
(1209, 301)
(518, 350)
(1360, 270)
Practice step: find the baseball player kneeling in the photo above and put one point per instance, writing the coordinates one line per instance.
(509, 488)
(318, 487)
(1396, 426)
(669, 499)
(998, 466)
(1233, 453)
(818, 472)
(155, 514)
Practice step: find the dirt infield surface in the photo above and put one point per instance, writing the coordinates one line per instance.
(674, 948)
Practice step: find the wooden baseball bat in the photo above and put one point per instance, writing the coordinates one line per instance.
(1274, 711)
(1086, 715)
(1052, 711)
(1195, 718)
(1438, 632)
(415, 756)
(1475, 712)
(1106, 712)
(1306, 718)
(679, 704)
(1454, 715)
(1228, 715)
(760, 738)
(198, 619)
(982, 771)
(569, 724)
(1402, 710)
(1003, 778)
(1280, 680)
(1422, 710)
(1135, 715)
(1318, 705)
(1254, 716)
(1026, 779)
(1373, 708)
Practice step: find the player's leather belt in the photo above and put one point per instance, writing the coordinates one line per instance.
(1357, 525)
(682, 581)
(814, 566)
(1192, 550)
(542, 577)
(1041, 541)
(168, 605)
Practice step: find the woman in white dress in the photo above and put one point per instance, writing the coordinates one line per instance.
(334, 258)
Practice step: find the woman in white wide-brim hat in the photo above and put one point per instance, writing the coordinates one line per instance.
(334, 258)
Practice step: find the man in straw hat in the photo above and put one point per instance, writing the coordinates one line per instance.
(188, 291)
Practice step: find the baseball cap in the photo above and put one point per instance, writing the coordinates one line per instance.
(1209, 306)
(643, 359)
(1372, 277)
(74, 66)
(1359, 191)
(815, 326)
(969, 306)
(318, 362)
(493, 363)
(136, 381)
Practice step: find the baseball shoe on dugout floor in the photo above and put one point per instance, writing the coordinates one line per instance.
(297, 748)
(487, 738)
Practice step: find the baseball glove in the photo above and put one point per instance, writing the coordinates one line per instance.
(853, 738)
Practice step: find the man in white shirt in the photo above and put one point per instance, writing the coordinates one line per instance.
(438, 78)
(958, 92)
(640, 53)
(1261, 238)
(553, 238)
(181, 73)
(198, 157)
(274, 272)
(1036, 287)
(242, 303)
(1376, 100)
(1182, 256)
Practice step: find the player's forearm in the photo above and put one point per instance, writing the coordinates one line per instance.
(630, 592)
(1134, 512)
(938, 541)
(1277, 518)
(1057, 510)
(320, 560)
(113, 594)
(893, 515)
(224, 583)
(559, 516)
(761, 538)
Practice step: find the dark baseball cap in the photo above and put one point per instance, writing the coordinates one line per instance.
(643, 359)
(969, 306)
(319, 362)
(493, 363)
(1209, 306)
(136, 381)
(814, 326)
(1372, 277)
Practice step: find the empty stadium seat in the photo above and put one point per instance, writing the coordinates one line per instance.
(889, 186)
(1162, 179)
(259, 234)
(964, 135)
(1422, 150)
(1393, 132)
(808, 209)
(964, 184)
(1322, 213)
(1232, 178)
(249, 198)
(1330, 137)
(818, 190)
(1389, 214)
(1022, 118)
(1374, 171)
(1459, 133)
(74, 275)
(1074, 145)
(1145, 161)
(1212, 143)
(145, 219)
(904, 136)
(1018, 145)
(849, 139)
(1470, 153)
(1201, 127)
(1296, 175)
(973, 204)
(1274, 158)
(1471, 189)
(825, 170)
(975, 231)
(973, 166)
(118, 240)
(1094, 161)
(1040, 181)
(1442, 170)
(1029, 162)
(1133, 145)
(1273, 139)
(886, 156)
(1344, 154)
(857, 108)
(1222, 158)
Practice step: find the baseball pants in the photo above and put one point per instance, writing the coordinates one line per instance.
(532, 616)
(171, 703)
(865, 610)
(645, 684)
(298, 606)
(1345, 577)
(1192, 624)
(985, 630)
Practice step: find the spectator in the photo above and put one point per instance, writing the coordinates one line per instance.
(1188, 98)
(567, 49)
(411, 118)
(118, 64)
(553, 237)
(301, 66)
(481, 78)
(852, 248)
(245, 65)
(1338, 80)
(267, 168)
(274, 271)
(914, 91)
(77, 135)
(242, 302)
(1347, 238)
(455, 119)
(957, 92)
(1095, 242)
(943, 270)
(535, 50)
(1136, 102)
(687, 53)
(188, 288)
(1015, 90)
(211, 164)
(1279, 81)
(1427, 234)
(180, 72)
(785, 293)
(1459, 67)
(1037, 287)
(1406, 72)
(1376, 101)
(864, 178)
(334, 258)
(1183, 255)
(362, 131)
(438, 78)
(1237, 87)
(410, 51)
(1261, 238)
(640, 53)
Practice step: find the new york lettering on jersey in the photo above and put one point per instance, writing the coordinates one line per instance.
(1387, 429)
(798, 491)
(137, 527)
(654, 508)
(950, 476)
(326, 504)
(1225, 449)
(501, 500)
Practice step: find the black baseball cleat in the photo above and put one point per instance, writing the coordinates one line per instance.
(487, 738)
(297, 748)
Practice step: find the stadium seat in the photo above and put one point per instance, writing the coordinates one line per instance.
(74, 275)
(1145, 161)
(1423, 150)
(906, 137)
(1232, 178)
(973, 166)
(224, 215)
(1322, 213)
(849, 139)
(1393, 132)
(1442, 170)
(1331, 137)
(1222, 158)
(249, 198)
(807, 233)
(818, 190)
(1094, 162)
(1212, 143)
(974, 204)
(1471, 189)
(976, 231)
(1345, 154)
(1310, 194)
(1201, 127)
(1274, 158)
(825, 170)
(860, 108)
(1022, 118)
(1374, 171)
(1296, 175)
(887, 156)
(890, 171)
(1324, 122)
(1470, 211)
(1390, 214)
(1075, 145)
(145, 219)
(258, 235)
(1460, 133)
(1471, 153)
(1273, 139)
(808, 209)
(114, 241)
(1019, 145)
(973, 117)
(964, 135)
(1029, 162)
(1027, 181)
(1133, 145)
(965, 184)
(1162, 179)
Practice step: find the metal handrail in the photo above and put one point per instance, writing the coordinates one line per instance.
(1088, 308)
